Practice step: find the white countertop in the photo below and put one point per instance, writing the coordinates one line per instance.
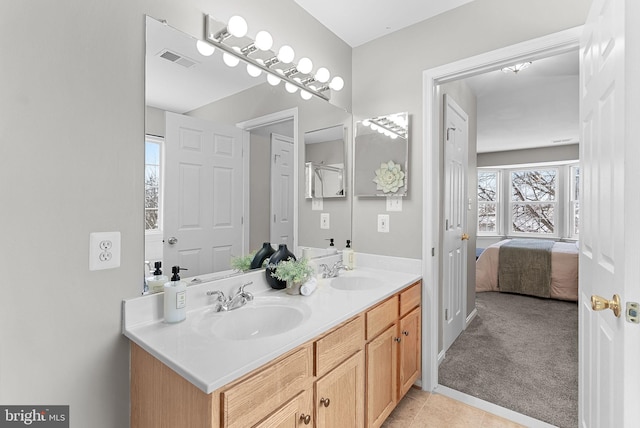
(194, 350)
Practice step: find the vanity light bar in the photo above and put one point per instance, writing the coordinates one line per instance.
(216, 38)
(386, 124)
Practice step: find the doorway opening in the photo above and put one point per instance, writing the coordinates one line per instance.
(432, 182)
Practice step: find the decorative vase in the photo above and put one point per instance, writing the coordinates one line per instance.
(293, 287)
(280, 255)
(263, 253)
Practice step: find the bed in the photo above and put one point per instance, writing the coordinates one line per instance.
(564, 270)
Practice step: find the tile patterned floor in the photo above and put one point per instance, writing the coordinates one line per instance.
(420, 409)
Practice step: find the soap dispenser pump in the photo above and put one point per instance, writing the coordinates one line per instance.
(332, 248)
(175, 297)
(156, 281)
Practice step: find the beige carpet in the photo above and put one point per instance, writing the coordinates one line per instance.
(521, 353)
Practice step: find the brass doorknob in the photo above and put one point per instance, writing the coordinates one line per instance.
(465, 237)
(600, 303)
(325, 402)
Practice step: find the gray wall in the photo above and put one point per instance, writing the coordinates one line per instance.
(71, 163)
(568, 152)
(394, 85)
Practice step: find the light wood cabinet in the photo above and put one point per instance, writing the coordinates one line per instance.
(369, 360)
(340, 395)
(393, 356)
(297, 413)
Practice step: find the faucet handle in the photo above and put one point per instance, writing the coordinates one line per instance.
(247, 295)
(218, 293)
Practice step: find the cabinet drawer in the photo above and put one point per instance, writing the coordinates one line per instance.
(381, 317)
(410, 298)
(249, 401)
(339, 345)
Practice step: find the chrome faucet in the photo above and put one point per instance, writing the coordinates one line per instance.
(333, 271)
(223, 304)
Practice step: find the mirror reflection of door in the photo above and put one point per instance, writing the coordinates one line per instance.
(203, 159)
(281, 190)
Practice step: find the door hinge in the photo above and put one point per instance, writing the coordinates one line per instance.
(433, 251)
(446, 314)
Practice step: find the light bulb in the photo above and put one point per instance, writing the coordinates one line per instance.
(264, 41)
(230, 60)
(374, 127)
(253, 70)
(237, 26)
(322, 75)
(380, 130)
(291, 88)
(205, 48)
(286, 54)
(304, 66)
(305, 95)
(394, 136)
(273, 80)
(366, 122)
(336, 83)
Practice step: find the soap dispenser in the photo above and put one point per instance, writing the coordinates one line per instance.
(348, 256)
(175, 297)
(156, 281)
(332, 248)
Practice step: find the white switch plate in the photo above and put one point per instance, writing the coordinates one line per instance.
(317, 204)
(394, 203)
(324, 221)
(104, 250)
(383, 223)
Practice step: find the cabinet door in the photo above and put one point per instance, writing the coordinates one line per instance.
(340, 395)
(297, 413)
(410, 362)
(382, 376)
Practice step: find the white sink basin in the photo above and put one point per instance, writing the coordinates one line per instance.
(263, 317)
(355, 283)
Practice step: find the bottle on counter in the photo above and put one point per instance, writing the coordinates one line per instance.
(332, 248)
(348, 256)
(175, 297)
(156, 281)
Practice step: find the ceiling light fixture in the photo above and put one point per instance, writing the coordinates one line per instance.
(516, 68)
(393, 126)
(237, 27)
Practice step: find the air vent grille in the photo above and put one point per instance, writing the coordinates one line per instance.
(176, 58)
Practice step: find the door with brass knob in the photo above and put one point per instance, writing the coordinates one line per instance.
(340, 395)
(464, 237)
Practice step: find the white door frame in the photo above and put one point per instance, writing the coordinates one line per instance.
(259, 122)
(553, 44)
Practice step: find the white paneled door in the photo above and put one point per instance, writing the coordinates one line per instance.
(609, 256)
(203, 206)
(282, 190)
(454, 275)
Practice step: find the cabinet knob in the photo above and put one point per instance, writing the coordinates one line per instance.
(306, 419)
(397, 339)
(406, 333)
(325, 402)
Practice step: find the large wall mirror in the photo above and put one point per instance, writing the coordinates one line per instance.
(224, 158)
(381, 155)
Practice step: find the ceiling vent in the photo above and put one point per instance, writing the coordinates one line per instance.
(176, 58)
(562, 141)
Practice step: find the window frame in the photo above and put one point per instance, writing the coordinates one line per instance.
(557, 227)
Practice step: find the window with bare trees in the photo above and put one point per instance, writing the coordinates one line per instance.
(533, 201)
(152, 182)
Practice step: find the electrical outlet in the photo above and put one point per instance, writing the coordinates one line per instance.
(104, 250)
(394, 203)
(383, 223)
(324, 221)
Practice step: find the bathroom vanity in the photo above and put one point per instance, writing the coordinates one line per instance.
(352, 353)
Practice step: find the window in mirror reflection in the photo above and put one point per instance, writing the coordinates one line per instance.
(152, 183)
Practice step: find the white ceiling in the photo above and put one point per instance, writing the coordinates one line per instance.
(359, 21)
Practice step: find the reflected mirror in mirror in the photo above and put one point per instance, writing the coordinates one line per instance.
(325, 154)
(381, 156)
(213, 131)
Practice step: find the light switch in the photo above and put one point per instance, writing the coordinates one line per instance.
(324, 221)
(383, 223)
(394, 203)
(317, 204)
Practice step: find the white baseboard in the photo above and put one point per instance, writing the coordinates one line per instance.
(441, 356)
(470, 318)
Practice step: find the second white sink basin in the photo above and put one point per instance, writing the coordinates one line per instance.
(259, 318)
(355, 283)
